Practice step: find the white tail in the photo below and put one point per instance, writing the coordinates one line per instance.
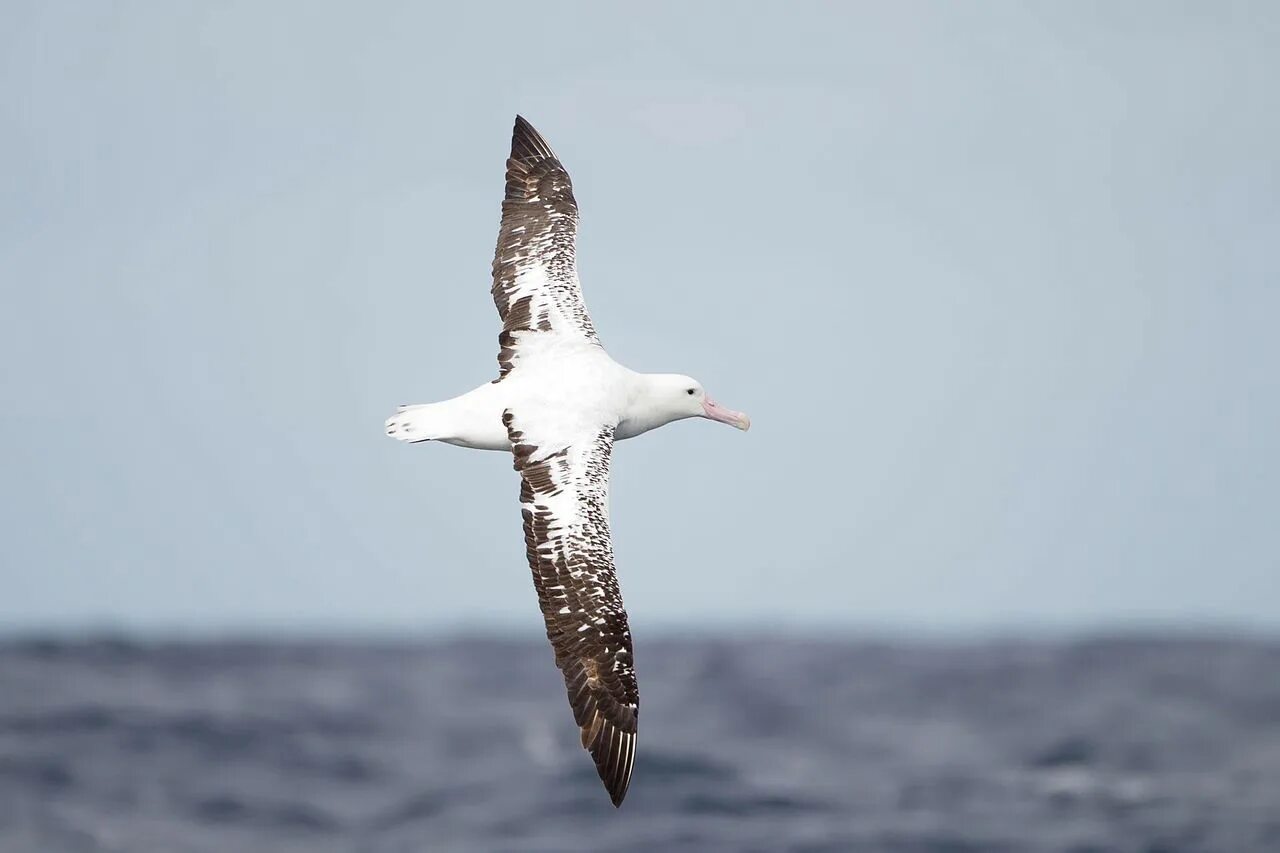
(472, 420)
(414, 423)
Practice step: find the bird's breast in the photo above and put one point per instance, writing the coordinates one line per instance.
(588, 384)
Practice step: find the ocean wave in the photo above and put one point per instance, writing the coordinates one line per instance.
(1105, 744)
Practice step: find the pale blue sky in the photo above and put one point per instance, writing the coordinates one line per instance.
(998, 283)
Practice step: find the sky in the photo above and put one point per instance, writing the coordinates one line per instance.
(997, 283)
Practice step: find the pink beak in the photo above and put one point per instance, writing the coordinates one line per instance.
(717, 412)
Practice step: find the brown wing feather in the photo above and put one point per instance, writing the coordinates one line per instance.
(564, 501)
(535, 276)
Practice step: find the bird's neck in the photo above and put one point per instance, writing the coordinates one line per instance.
(645, 409)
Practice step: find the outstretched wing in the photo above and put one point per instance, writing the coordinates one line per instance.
(564, 498)
(535, 277)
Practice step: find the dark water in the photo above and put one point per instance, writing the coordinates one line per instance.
(756, 745)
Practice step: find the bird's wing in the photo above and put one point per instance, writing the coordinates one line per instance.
(535, 276)
(564, 498)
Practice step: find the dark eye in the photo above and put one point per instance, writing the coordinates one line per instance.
(689, 392)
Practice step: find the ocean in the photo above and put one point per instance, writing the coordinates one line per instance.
(1141, 744)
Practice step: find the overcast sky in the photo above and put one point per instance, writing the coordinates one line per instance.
(998, 283)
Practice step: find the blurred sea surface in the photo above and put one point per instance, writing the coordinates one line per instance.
(1142, 744)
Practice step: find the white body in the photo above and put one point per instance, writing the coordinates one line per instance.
(581, 378)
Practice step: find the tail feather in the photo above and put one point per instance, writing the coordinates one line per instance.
(471, 420)
(412, 423)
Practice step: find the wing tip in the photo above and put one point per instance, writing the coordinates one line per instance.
(527, 142)
(614, 751)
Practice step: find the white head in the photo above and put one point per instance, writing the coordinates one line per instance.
(672, 396)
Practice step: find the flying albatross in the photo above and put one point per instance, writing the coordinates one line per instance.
(557, 406)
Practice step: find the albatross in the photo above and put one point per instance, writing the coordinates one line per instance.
(557, 406)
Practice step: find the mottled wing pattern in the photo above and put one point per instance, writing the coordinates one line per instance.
(535, 277)
(564, 497)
